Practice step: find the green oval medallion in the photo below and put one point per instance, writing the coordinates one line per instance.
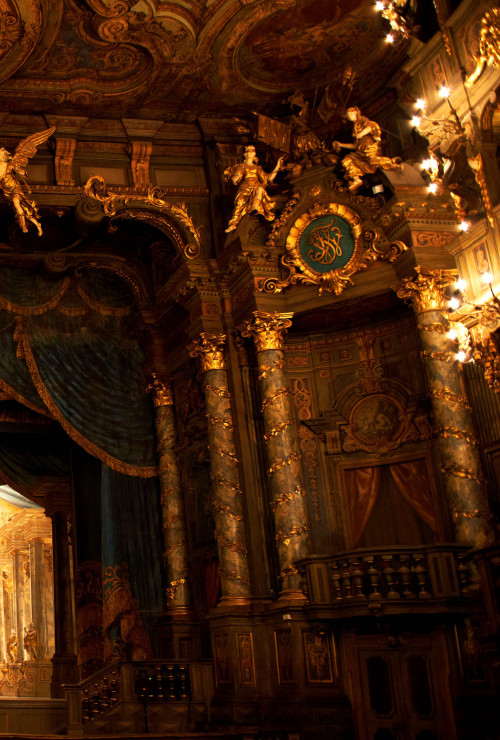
(327, 243)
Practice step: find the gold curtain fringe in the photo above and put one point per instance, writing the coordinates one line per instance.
(90, 447)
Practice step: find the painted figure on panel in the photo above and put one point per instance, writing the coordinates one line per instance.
(31, 641)
(251, 195)
(12, 178)
(366, 157)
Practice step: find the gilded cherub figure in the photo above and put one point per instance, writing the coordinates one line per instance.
(12, 178)
(252, 181)
(12, 644)
(366, 157)
(31, 643)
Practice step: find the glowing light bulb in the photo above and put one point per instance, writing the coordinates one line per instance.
(416, 121)
(420, 104)
(379, 5)
(461, 284)
(464, 226)
(454, 303)
(452, 334)
(426, 164)
(444, 92)
(487, 278)
(389, 38)
(433, 188)
(461, 356)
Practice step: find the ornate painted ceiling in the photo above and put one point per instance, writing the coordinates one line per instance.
(175, 60)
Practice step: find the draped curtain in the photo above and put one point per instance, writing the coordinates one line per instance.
(363, 487)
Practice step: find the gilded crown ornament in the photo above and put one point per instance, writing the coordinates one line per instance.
(209, 348)
(267, 329)
(13, 178)
(427, 291)
(489, 45)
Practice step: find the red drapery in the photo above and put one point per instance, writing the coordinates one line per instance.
(363, 486)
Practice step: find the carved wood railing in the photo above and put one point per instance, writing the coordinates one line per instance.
(133, 683)
(399, 576)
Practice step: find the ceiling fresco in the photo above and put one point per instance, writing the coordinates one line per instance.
(172, 60)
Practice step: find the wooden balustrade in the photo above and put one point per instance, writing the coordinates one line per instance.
(418, 575)
(125, 683)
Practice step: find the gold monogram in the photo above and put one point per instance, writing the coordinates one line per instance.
(325, 243)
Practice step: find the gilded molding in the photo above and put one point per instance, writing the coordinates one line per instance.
(427, 354)
(426, 291)
(445, 394)
(279, 464)
(223, 453)
(96, 188)
(460, 472)
(220, 480)
(284, 538)
(280, 393)
(209, 348)
(225, 510)
(267, 330)
(264, 370)
(285, 498)
(278, 429)
(457, 433)
(161, 391)
(224, 542)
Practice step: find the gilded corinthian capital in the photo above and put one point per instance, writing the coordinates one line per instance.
(161, 391)
(427, 291)
(210, 349)
(267, 329)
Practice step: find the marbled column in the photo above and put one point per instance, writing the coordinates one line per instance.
(37, 615)
(284, 465)
(18, 591)
(227, 504)
(460, 464)
(172, 500)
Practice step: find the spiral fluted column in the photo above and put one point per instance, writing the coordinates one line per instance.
(227, 504)
(178, 593)
(284, 465)
(460, 463)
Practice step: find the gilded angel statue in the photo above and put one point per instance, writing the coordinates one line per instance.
(13, 178)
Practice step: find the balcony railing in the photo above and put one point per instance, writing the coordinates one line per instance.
(396, 576)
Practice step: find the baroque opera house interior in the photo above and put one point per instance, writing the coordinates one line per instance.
(250, 369)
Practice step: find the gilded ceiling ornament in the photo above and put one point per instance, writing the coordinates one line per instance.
(427, 291)
(251, 196)
(267, 329)
(96, 188)
(12, 178)
(366, 155)
(489, 44)
(210, 349)
(326, 246)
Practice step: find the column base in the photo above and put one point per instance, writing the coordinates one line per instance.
(64, 671)
(178, 635)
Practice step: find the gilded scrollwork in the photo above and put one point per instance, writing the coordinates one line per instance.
(96, 188)
(327, 245)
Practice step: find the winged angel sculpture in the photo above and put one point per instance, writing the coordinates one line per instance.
(13, 178)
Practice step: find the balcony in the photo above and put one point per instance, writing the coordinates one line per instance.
(388, 580)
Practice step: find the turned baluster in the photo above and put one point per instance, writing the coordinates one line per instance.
(374, 576)
(405, 573)
(389, 573)
(86, 705)
(159, 683)
(463, 575)
(336, 581)
(346, 579)
(114, 687)
(421, 572)
(357, 576)
(104, 693)
(171, 687)
(182, 674)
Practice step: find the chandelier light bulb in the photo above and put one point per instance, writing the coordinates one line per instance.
(444, 92)
(379, 5)
(487, 278)
(433, 188)
(389, 38)
(461, 356)
(461, 284)
(416, 121)
(420, 104)
(452, 334)
(464, 226)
